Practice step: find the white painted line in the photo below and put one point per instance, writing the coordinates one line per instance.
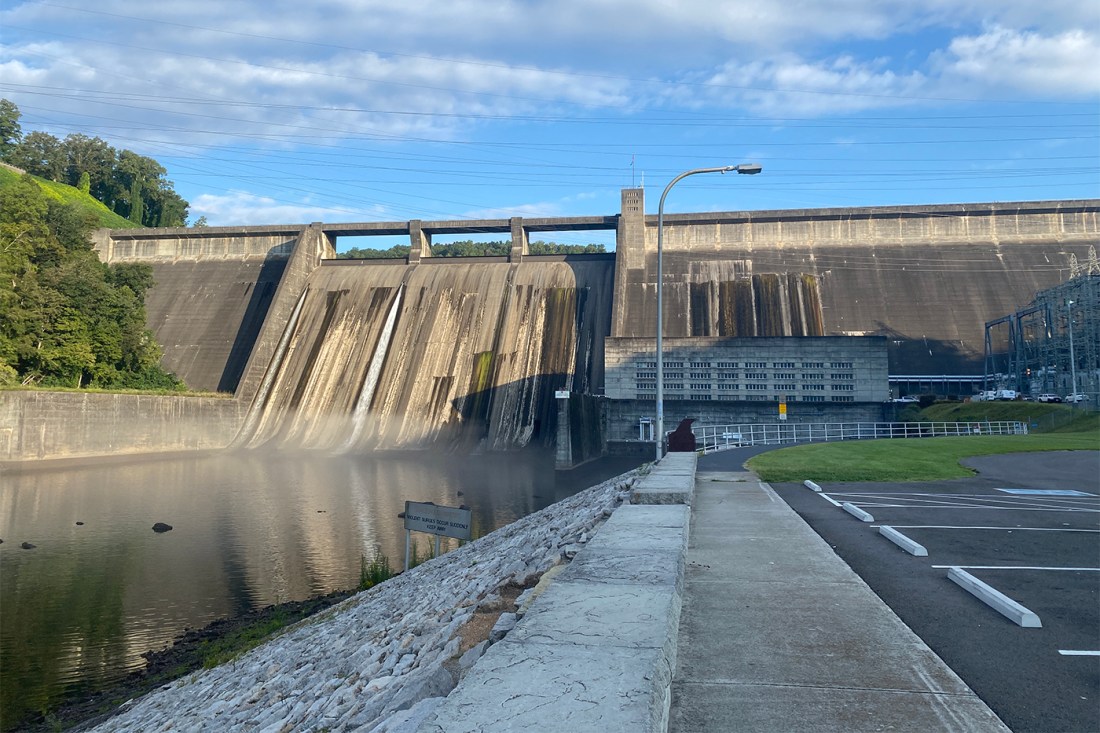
(1009, 529)
(1014, 567)
(856, 512)
(1078, 653)
(829, 499)
(912, 547)
(996, 600)
(811, 485)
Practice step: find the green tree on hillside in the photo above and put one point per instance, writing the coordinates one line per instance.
(69, 320)
(10, 131)
(129, 184)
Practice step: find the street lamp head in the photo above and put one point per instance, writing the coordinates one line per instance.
(749, 169)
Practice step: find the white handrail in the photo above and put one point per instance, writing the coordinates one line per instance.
(710, 438)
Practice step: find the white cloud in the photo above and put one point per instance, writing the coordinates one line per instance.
(236, 208)
(1063, 64)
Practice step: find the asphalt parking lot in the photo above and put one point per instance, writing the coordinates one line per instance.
(1028, 526)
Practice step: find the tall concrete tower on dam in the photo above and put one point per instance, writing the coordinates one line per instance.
(426, 350)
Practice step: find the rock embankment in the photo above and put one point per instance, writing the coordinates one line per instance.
(382, 660)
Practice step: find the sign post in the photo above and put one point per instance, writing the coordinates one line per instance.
(783, 410)
(442, 521)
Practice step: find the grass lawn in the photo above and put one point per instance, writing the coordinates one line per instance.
(913, 459)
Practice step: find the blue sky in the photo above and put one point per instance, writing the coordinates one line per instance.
(273, 111)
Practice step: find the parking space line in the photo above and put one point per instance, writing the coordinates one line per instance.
(983, 506)
(1009, 529)
(829, 499)
(1014, 567)
(1078, 653)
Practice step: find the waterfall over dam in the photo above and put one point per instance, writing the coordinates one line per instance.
(467, 353)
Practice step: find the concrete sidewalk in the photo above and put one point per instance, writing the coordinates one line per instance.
(777, 633)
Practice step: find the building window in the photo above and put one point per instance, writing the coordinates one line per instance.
(700, 397)
(727, 365)
(757, 387)
(727, 375)
(783, 364)
(674, 375)
(646, 396)
(756, 397)
(701, 385)
(813, 387)
(674, 385)
(700, 365)
(813, 398)
(645, 375)
(786, 376)
(843, 398)
(672, 364)
(842, 375)
(700, 375)
(756, 375)
(646, 385)
(786, 385)
(722, 387)
(840, 365)
(844, 388)
(813, 375)
(756, 365)
(647, 365)
(813, 365)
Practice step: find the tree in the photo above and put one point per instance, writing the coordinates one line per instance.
(40, 154)
(10, 131)
(68, 319)
(89, 156)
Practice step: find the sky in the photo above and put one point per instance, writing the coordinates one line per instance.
(280, 112)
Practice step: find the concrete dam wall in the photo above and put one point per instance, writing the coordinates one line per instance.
(925, 277)
(464, 353)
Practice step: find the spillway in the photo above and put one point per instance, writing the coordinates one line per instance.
(469, 357)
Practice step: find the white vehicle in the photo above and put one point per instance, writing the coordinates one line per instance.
(1078, 397)
(987, 396)
(1005, 394)
(1048, 398)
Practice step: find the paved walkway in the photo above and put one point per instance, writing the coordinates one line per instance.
(777, 633)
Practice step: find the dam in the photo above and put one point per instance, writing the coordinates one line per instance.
(468, 353)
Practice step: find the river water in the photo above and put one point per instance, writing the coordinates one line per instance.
(100, 587)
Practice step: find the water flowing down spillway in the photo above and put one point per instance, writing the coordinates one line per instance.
(455, 355)
(362, 405)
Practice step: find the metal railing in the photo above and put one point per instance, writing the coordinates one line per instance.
(710, 438)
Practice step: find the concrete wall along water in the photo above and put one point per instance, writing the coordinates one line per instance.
(36, 425)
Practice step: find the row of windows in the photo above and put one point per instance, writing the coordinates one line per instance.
(838, 376)
(748, 364)
(790, 386)
(757, 397)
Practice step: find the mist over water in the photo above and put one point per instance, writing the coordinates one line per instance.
(249, 529)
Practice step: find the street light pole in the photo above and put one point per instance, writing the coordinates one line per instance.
(1072, 366)
(743, 168)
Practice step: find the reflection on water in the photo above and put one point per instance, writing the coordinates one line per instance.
(100, 587)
